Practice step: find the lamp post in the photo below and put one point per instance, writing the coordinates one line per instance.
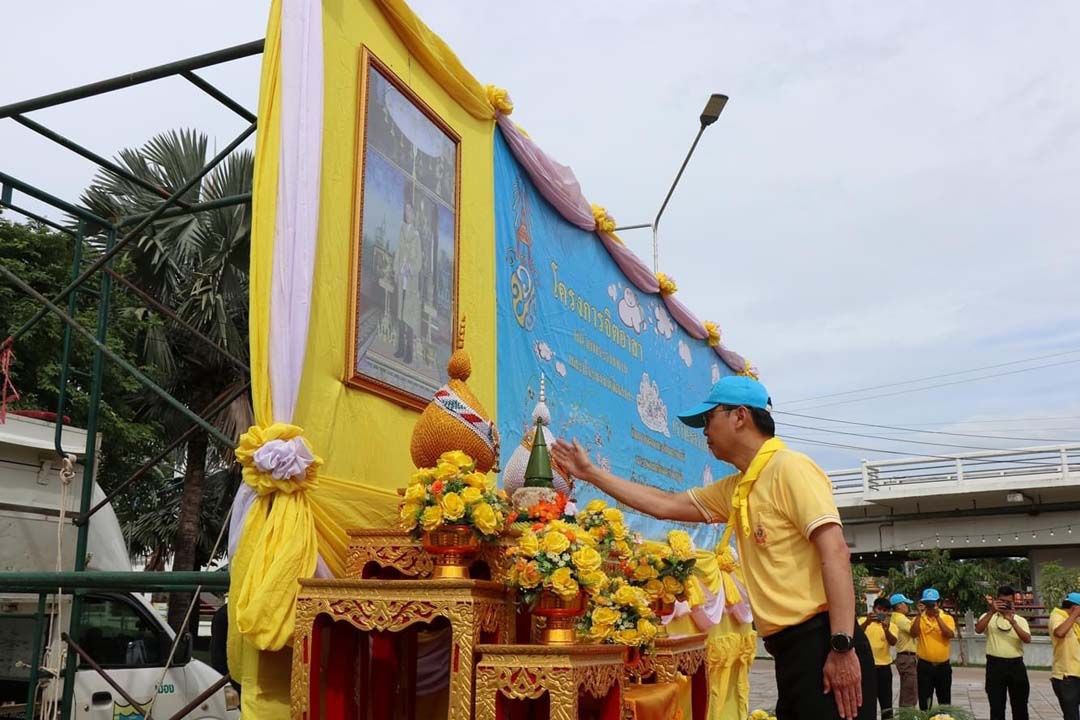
(709, 115)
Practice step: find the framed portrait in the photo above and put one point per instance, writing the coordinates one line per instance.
(404, 275)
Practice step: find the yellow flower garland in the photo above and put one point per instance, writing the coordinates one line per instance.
(499, 99)
(263, 482)
(604, 222)
(712, 330)
(667, 285)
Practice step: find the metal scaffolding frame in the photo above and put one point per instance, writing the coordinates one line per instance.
(119, 233)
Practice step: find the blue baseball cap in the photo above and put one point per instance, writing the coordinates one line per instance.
(930, 595)
(1073, 597)
(900, 598)
(734, 390)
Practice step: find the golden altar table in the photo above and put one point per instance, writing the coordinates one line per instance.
(334, 620)
(564, 672)
(685, 654)
(372, 550)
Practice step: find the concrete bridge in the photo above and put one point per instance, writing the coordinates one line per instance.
(1021, 503)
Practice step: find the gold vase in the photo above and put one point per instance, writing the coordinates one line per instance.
(660, 609)
(453, 548)
(560, 617)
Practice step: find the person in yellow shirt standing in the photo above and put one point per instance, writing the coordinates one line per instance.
(905, 651)
(780, 509)
(1065, 638)
(933, 631)
(881, 632)
(1006, 635)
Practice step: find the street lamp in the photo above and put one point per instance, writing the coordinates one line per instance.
(709, 115)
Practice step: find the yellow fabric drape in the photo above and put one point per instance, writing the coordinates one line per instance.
(732, 647)
(362, 438)
(263, 675)
(438, 59)
(654, 701)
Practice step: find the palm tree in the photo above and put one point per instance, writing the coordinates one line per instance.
(196, 264)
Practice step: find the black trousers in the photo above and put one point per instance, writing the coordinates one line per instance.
(1007, 676)
(934, 679)
(1067, 690)
(800, 652)
(884, 690)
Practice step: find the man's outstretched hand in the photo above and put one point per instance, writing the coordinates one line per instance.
(572, 458)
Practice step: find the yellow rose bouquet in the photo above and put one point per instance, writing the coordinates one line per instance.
(620, 615)
(607, 527)
(663, 569)
(453, 493)
(559, 557)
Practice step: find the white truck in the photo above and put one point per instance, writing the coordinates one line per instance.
(120, 630)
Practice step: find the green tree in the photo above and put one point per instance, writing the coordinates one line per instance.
(197, 264)
(860, 577)
(42, 258)
(1055, 582)
(963, 583)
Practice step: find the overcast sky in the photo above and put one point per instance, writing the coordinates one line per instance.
(891, 193)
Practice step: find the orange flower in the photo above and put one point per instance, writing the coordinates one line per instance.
(437, 487)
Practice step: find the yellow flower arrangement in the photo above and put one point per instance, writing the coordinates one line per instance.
(453, 492)
(621, 616)
(761, 715)
(558, 556)
(605, 527)
(663, 569)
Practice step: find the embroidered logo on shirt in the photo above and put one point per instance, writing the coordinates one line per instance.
(759, 534)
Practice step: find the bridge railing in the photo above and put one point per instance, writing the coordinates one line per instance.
(1053, 463)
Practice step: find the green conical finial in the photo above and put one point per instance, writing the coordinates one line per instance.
(538, 470)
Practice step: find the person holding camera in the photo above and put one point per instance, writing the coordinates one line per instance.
(933, 631)
(1006, 634)
(882, 634)
(905, 650)
(1065, 672)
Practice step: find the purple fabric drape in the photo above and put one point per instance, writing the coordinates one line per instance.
(556, 182)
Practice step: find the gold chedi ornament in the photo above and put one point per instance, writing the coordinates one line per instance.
(455, 420)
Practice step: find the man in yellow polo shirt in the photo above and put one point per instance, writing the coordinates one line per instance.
(881, 632)
(905, 651)
(933, 631)
(1065, 637)
(780, 508)
(1006, 634)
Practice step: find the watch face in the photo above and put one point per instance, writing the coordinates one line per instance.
(841, 642)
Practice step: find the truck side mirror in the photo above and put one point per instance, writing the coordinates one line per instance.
(183, 650)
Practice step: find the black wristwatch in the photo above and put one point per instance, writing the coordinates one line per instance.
(841, 642)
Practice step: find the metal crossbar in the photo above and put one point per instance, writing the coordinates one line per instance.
(131, 227)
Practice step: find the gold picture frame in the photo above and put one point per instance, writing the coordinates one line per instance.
(406, 229)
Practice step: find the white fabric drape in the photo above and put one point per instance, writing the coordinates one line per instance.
(296, 223)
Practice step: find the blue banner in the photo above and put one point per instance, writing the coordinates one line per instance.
(618, 368)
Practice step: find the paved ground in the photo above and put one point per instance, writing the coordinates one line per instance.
(967, 691)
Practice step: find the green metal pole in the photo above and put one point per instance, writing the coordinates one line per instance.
(65, 365)
(89, 473)
(35, 658)
(111, 580)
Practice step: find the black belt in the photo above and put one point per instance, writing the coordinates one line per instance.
(906, 652)
(935, 664)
